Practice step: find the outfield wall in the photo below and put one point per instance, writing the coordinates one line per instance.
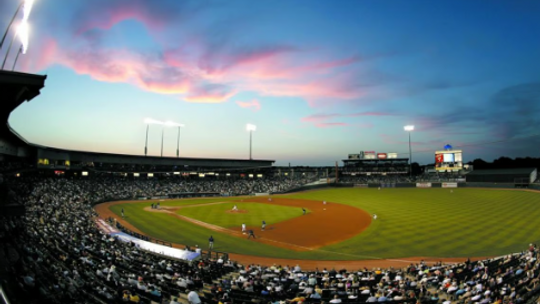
(419, 185)
(489, 185)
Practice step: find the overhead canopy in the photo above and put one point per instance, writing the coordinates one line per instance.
(16, 88)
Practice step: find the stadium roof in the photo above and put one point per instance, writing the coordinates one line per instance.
(112, 158)
(502, 171)
(16, 88)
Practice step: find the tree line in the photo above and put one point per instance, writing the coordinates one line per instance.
(504, 162)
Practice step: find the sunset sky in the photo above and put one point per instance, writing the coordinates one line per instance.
(319, 79)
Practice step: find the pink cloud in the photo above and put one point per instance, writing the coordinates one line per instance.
(197, 67)
(206, 92)
(46, 55)
(254, 104)
(214, 62)
(105, 15)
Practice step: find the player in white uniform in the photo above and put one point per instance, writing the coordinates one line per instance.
(324, 202)
(235, 208)
(374, 216)
(243, 228)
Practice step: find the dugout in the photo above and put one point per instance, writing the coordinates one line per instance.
(516, 176)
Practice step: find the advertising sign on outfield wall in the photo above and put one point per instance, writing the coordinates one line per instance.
(423, 185)
(449, 185)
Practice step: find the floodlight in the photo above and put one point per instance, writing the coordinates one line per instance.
(22, 32)
(409, 129)
(148, 122)
(169, 123)
(27, 8)
(250, 127)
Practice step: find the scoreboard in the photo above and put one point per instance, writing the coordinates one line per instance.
(449, 160)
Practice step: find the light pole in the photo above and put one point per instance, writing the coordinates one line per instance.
(178, 143)
(173, 124)
(148, 122)
(250, 128)
(17, 58)
(409, 129)
(22, 30)
(11, 23)
(146, 142)
(162, 131)
(7, 53)
(22, 33)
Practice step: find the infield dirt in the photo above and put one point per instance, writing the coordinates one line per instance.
(306, 232)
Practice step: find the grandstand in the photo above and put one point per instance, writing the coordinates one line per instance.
(369, 162)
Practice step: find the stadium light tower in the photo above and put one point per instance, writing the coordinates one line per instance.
(174, 124)
(22, 30)
(250, 128)
(22, 33)
(409, 129)
(11, 23)
(148, 122)
(17, 58)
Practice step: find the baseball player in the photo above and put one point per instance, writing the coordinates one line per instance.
(235, 208)
(211, 243)
(251, 234)
(304, 211)
(243, 228)
(374, 216)
(263, 225)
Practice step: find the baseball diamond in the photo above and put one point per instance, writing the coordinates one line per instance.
(430, 223)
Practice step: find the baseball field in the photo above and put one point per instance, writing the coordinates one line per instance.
(439, 223)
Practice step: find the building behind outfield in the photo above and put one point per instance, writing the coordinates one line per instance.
(518, 176)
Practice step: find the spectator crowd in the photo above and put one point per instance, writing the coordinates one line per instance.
(56, 254)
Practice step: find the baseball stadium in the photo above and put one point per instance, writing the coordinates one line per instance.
(431, 225)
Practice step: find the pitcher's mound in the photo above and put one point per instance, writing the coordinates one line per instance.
(237, 211)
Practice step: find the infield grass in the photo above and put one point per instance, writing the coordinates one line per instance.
(411, 223)
(255, 213)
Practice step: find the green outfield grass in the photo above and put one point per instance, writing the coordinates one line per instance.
(256, 213)
(411, 222)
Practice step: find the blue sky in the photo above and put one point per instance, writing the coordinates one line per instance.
(320, 79)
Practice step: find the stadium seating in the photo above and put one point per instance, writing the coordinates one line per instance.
(56, 254)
